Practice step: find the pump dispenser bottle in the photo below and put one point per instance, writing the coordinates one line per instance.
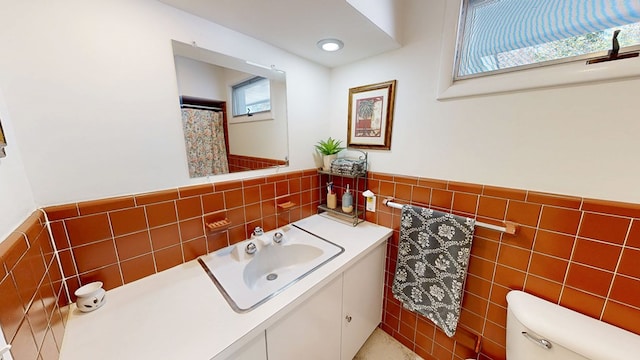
(347, 201)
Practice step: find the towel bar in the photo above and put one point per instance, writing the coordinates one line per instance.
(509, 226)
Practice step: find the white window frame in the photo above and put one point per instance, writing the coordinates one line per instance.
(259, 116)
(563, 74)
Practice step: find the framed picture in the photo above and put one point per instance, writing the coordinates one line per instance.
(371, 116)
(3, 142)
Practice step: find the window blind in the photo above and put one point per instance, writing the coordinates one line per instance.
(504, 25)
(497, 26)
(251, 96)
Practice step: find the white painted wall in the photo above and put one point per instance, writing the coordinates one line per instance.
(93, 102)
(578, 140)
(199, 79)
(16, 198)
(92, 92)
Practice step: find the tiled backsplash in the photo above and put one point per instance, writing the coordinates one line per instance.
(31, 292)
(121, 240)
(580, 253)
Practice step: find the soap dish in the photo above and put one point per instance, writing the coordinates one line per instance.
(219, 225)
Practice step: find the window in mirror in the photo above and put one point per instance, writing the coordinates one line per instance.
(251, 96)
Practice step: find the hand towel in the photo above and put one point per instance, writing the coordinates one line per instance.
(433, 257)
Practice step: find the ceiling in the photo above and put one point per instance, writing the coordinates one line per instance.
(297, 25)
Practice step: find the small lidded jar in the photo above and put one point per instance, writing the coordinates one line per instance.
(90, 296)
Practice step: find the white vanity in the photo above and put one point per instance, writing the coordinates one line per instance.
(180, 314)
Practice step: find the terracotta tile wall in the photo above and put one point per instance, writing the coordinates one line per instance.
(243, 163)
(580, 253)
(32, 295)
(120, 240)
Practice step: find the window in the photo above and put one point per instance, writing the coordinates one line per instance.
(251, 97)
(505, 35)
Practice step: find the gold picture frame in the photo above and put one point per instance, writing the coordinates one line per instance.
(371, 116)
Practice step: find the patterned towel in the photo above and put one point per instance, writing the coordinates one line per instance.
(433, 256)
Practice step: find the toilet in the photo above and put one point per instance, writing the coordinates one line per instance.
(540, 330)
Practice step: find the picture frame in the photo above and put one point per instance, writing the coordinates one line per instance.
(3, 142)
(371, 116)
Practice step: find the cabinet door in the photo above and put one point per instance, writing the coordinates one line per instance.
(311, 330)
(256, 349)
(363, 286)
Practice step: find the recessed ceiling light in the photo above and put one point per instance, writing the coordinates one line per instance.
(330, 44)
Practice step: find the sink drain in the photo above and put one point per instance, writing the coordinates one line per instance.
(272, 276)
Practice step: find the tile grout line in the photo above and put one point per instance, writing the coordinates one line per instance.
(615, 271)
(56, 252)
(532, 251)
(113, 240)
(570, 260)
(153, 254)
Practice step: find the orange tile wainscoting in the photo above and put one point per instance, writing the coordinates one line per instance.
(580, 253)
(123, 239)
(32, 295)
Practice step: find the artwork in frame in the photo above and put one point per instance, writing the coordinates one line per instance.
(3, 142)
(371, 116)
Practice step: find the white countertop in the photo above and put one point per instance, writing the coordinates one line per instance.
(180, 314)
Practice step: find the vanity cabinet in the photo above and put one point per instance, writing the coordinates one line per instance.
(362, 297)
(255, 349)
(336, 321)
(311, 330)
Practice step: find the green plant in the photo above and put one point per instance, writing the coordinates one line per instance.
(329, 147)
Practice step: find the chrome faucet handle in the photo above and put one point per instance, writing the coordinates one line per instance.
(278, 237)
(258, 231)
(251, 248)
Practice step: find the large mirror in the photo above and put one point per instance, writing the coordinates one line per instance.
(234, 113)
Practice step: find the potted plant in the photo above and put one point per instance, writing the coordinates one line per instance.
(329, 149)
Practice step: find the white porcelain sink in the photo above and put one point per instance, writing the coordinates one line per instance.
(246, 281)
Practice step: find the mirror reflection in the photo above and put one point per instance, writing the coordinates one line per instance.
(234, 115)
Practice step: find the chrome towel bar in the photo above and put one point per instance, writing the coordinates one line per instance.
(509, 226)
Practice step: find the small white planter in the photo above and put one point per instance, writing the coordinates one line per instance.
(327, 159)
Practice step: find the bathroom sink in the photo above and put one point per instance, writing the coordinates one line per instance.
(248, 280)
(277, 260)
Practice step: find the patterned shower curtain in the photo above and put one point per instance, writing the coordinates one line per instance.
(205, 143)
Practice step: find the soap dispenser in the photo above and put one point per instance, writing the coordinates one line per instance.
(347, 201)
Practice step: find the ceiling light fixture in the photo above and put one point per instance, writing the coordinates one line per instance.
(330, 44)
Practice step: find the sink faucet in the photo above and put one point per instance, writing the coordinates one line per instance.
(258, 231)
(251, 248)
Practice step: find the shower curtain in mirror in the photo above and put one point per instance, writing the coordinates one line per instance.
(205, 143)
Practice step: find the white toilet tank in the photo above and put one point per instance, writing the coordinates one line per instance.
(540, 330)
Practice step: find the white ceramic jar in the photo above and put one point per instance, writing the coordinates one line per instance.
(90, 296)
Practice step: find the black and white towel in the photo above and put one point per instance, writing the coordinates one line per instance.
(433, 257)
